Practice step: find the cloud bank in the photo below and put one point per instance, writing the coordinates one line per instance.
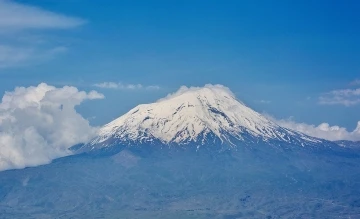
(39, 124)
(122, 86)
(324, 130)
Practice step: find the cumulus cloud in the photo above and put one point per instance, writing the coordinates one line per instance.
(324, 130)
(39, 124)
(122, 86)
(346, 97)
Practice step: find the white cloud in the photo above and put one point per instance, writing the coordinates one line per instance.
(346, 97)
(39, 124)
(15, 16)
(324, 130)
(122, 86)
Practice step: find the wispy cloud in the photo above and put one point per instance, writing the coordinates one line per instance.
(19, 23)
(263, 101)
(346, 97)
(10, 55)
(21, 56)
(355, 82)
(15, 16)
(123, 86)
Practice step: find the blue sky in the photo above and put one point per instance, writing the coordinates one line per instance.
(295, 59)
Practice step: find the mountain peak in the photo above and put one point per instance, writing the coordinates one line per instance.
(199, 115)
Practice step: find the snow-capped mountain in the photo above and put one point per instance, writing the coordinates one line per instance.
(199, 116)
